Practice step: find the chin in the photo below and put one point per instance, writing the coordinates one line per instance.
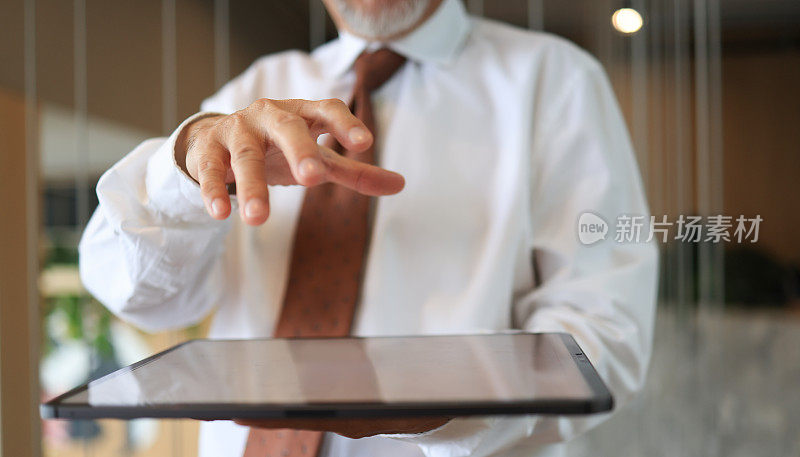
(376, 19)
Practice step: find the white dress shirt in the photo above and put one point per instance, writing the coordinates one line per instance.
(504, 137)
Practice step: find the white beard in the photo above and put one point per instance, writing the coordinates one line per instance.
(390, 21)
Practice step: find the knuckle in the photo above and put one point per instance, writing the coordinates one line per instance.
(263, 104)
(332, 105)
(237, 121)
(292, 105)
(203, 137)
(198, 145)
(285, 118)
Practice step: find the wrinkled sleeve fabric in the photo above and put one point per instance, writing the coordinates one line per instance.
(603, 294)
(150, 252)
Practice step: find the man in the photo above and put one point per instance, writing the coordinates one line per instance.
(499, 140)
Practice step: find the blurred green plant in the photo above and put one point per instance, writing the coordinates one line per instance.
(69, 311)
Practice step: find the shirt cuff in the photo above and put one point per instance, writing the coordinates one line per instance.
(457, 438)
(172, 192)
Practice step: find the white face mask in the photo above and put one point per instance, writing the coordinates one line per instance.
(388, 21)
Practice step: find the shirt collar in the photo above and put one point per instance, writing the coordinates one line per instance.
(438, 40)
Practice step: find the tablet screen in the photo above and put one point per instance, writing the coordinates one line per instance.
(502, 368)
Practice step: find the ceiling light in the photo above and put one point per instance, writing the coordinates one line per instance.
(627, 20)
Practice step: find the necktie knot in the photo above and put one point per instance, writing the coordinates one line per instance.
(373, 69)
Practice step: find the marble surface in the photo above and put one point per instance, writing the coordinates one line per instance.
(722, 383)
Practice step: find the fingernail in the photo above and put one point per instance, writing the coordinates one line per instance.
(309, 167)
(358, 134)
(254, 208)
(217, 206)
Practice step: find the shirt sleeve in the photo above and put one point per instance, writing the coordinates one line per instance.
(604, 293)
(150, 241)
(150, 252)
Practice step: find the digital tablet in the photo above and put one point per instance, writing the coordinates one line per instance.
(493, 374)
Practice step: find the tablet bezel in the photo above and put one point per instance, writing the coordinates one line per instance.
(600, 401)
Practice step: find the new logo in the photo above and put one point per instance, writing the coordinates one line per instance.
(591, 228)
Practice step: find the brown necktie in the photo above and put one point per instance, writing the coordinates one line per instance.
(327, 258)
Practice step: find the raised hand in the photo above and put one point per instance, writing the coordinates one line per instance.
(274, 142)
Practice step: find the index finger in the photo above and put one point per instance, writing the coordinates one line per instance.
(362, 177)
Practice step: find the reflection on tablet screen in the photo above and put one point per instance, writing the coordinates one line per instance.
(503, 367)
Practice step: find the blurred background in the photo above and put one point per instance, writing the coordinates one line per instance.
(711, 93)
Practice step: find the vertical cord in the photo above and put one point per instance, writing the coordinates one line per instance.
(475, 7)
(168, 66)
(222, 42)
(702, 146)
(639, 132)
(32, 213)
(708, 114)
(709, 191)
(639, 105)
(536, 14)
(603, 36)
(81, 137)
(684, 255)
(715, 142)
(169, 114)
(656, 133)
(717, 262)
(685, 193)
(316, 24)
(80, 94)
